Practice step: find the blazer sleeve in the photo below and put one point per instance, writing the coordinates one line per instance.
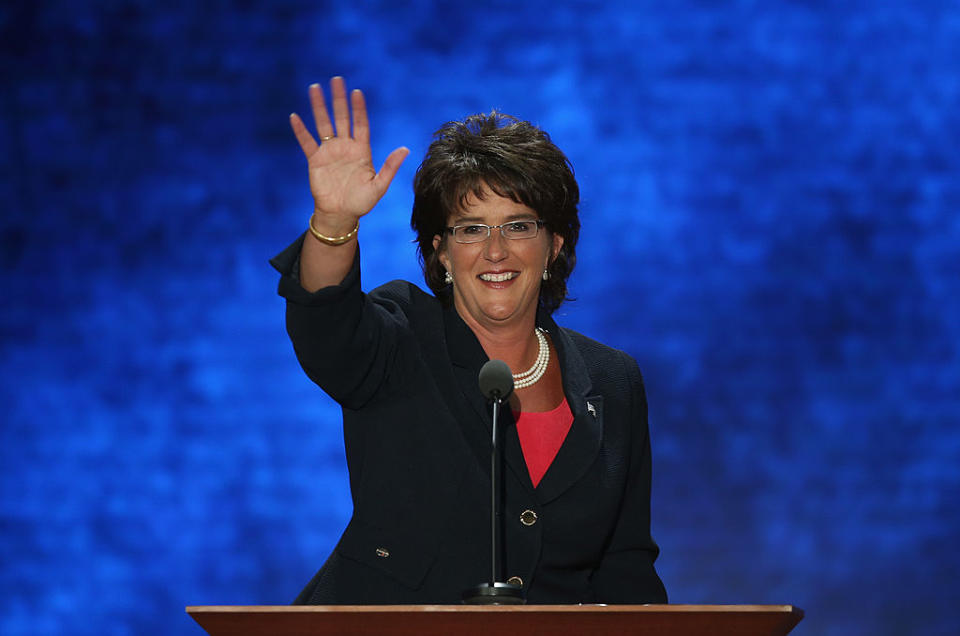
(626, 573)
(345, 342)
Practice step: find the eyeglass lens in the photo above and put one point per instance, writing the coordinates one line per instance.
(476, 232)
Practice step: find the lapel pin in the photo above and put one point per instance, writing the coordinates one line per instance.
(591, 409)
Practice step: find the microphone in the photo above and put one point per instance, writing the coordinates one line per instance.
(496, 384)
(496, 380)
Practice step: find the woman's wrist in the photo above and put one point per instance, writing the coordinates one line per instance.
(332, 232)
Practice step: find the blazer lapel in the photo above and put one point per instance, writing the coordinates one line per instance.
(582, 444)
(466, 358)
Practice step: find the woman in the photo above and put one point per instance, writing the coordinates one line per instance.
(495, 214)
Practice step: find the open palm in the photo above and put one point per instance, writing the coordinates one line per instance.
(343, 181)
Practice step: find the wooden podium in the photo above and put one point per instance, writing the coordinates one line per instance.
(521, 620)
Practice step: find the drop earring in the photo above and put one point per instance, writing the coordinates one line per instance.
(448, 278)
(546, 274)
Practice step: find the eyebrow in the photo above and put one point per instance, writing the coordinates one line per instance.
(461, 220)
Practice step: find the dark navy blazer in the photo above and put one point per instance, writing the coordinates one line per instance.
(417, 434)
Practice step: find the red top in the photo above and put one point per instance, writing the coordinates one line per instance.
(541, 435)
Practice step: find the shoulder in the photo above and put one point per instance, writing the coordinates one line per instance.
(403, 297)
(594, 350)
(603, 363)
(402, 292)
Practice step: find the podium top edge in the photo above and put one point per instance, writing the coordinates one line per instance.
(386, 609)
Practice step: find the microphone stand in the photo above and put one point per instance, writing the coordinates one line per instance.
(495, 592)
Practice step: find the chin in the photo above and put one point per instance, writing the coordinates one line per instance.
(495, 307)
(499, 316)
(501, 313)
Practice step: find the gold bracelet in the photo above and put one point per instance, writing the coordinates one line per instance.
(333, 240)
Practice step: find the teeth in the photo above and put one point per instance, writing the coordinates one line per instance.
(498, 278)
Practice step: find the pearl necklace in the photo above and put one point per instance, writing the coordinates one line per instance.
(532, 375)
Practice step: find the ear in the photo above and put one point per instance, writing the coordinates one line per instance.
(557, 244)
(441, 253)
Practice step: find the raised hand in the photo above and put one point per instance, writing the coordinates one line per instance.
(343, 181)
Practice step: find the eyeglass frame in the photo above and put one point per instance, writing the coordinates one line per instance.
(452, 229)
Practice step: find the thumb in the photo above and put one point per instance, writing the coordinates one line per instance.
(389, 168)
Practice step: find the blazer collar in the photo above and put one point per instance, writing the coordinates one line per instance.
(582, 444)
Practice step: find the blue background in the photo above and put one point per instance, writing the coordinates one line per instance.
(770, 209)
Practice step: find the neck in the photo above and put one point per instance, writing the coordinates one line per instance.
(514, 343)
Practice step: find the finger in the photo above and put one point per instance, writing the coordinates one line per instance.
(389, 169)
(341, 113)
(361, 126)
(307, 143)
(320, 116)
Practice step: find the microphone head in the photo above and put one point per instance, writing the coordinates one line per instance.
(496, 380)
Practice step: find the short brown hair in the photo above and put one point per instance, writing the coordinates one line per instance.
(514, 159)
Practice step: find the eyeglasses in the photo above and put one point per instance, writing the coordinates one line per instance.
(478, 232)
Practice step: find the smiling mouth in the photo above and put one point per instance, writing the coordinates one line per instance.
(499, 278)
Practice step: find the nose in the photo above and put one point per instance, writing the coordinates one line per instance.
(495, 247)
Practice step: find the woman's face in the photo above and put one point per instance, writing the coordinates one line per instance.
(496, 282)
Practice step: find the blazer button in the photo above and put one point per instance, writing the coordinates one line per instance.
(528, 517)
(515, 580)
